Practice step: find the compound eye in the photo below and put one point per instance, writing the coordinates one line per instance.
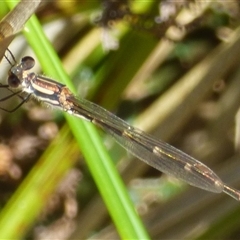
(27, 63)
(13, 81)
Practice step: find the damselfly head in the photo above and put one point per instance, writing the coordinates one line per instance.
(18, 72)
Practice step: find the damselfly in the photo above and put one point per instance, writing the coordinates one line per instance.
(155, 153)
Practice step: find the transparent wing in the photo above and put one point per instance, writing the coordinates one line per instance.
(155, 153)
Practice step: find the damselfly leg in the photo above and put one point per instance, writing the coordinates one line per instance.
(12, 95)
